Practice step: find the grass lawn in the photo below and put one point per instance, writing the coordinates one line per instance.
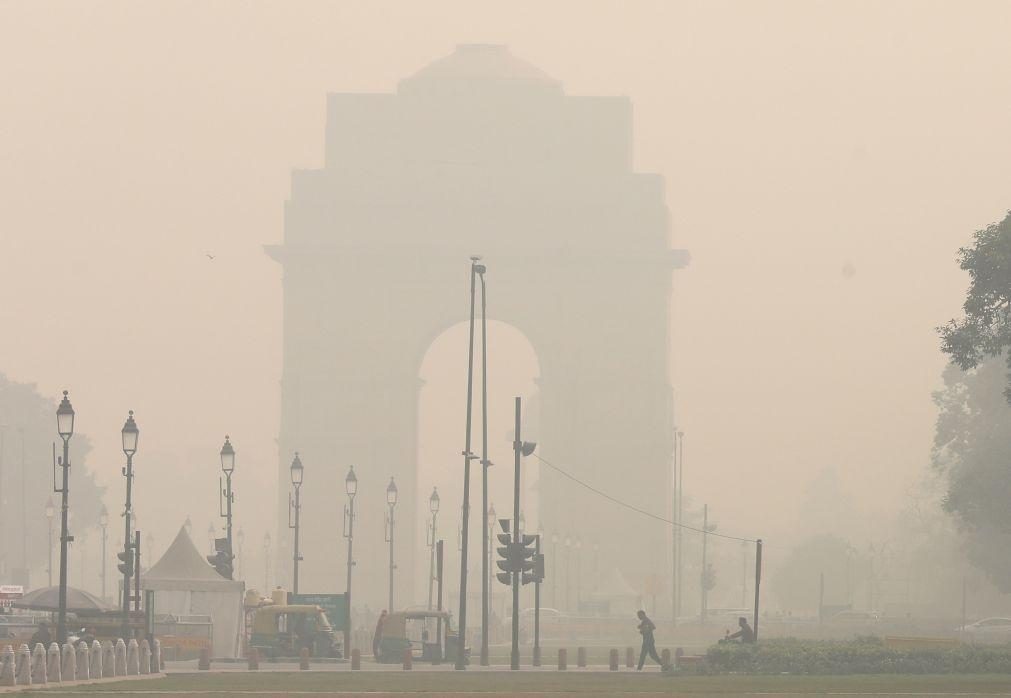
(532, 683)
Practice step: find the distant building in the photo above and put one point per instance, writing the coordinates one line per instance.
(477, 153)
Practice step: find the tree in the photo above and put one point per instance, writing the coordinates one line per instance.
(972, 449)
(796, 581)
(985, 331)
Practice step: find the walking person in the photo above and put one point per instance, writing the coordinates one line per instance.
(646, 629)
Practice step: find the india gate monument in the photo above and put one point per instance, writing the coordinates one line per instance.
(479, 153)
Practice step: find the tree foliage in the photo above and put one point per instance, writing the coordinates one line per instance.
(972, 449)
(985, 330)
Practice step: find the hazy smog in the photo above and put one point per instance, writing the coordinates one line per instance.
(737, 222)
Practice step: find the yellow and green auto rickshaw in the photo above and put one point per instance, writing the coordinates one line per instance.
(426, 633)
(283, 630)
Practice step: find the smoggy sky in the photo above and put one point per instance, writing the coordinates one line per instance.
(797, 139)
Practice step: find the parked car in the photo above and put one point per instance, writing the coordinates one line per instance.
(988, 630)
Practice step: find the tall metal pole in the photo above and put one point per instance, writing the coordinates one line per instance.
(127, 541)
(537, 609)
(266, 563)
(674, 538)
(431, 560)
(229, 498)
(49, 570)
(392, 565)
(485, 532)
(703, 576)
(680, 518)
(136, 571)
(461, 660)
(295, 558)
(105, 561)
(517, 539)
(65, 538)
(351, 563)
(758, 581)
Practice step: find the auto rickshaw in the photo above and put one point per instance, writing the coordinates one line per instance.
(426, 633)
(283, 630)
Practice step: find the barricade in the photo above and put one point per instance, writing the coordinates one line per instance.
(303, 659)
(54, 664)
(563, 659)
(96, 660)
(408, 659)
(83, 662)
(120, 657)
(132, 658)
(629, 657)
(581, 657)
(537, 656)
(23, 671)
(678, 653)
(39, 659)
(69, 668)
(613, 660)
(204, 663)
(157, 660)
(253, 659)
(108, 660)
(7, 667)
(356, 659)
(145, 657)
(665, 657)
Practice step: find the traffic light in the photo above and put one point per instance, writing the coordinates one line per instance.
(222, 558)
(537, 573)
(515, 556)
(126, 562)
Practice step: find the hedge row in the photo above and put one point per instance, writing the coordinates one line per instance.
(861, 656)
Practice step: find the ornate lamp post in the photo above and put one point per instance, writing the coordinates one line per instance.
(295, 505)
(227, 467)
(130, 434)
(433, 506)
(103, 522)
(351, 489)
(50, 514)
(391, 503)
(65, 427)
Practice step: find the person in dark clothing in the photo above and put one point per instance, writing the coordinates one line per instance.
(745, 634)
(646, 629)
(41, 636)
(378, 635)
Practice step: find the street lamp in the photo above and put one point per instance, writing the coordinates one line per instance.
(554, 569)
(130, 435)
(351, 488)
(65, 428)
(568, 576)
(50, 514)
(227, 467)
(391, 503)
(433, 506)
(295, 504)
(103, 522)
(492, 518)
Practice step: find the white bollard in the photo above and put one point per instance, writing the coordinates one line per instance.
(54, 670)
(95, 670)
(108, 660)
(69, 662)
(83, 662)
(133, 658)
(120, 657)
(7, 662)
(156, 657)
(145, 657)
(23, 671)
(39, 663)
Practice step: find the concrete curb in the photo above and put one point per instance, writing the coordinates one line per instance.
(71, 684)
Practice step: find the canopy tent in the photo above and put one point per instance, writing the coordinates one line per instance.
(185, 584)
(48, 599)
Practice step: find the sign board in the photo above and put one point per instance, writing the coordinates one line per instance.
(334, 605)
(9, 593)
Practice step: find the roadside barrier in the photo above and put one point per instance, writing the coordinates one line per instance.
(7, 663)
(53, 663)
(133, 658)
(408, 659)
(253, 659)
(629, 657)
(120, 657)
(23, 672)
(145, 657)
(581, 657)
(69, 662)
(537, 656)
(96, 660)
(665, 656)
(39, 659)
(303, 659)
(157, 660)
(563, 659)
(83, 662)
(204, 663)
(613, 660)
(108, 660)
(356, 659)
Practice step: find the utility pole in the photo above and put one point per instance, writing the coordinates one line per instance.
(674, 537)
(433, 507)
(678, 519)
(704, 576)
(295, 504)
(351, 488)
(65, 426)
(485, 463)
(461, 660)
(391, 501)
(758, 581)
(537, 607)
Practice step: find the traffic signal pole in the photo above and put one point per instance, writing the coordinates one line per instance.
(537, 610)
(517, 539)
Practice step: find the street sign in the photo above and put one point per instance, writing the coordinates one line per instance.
(334, 605)
(9, 593)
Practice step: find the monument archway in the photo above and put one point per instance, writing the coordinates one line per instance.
(478, 153)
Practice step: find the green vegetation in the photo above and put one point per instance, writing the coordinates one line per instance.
(861, 656)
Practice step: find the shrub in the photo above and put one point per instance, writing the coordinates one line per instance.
(860, 656)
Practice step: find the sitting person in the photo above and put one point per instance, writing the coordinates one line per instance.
(745, 634)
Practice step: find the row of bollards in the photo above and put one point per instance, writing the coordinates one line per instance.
(81, 663)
